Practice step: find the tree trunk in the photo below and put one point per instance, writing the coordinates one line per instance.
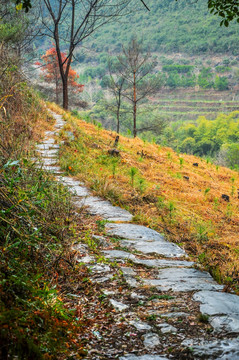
(57, 92)
(118, 114)
(65, 93)
(135, 106)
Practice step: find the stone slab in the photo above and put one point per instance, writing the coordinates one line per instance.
(140, 325)
(118, 305)
(105, 209)
(49, 161)
(144, 239)
(183, 279)
(223, 309)
(142, 357)
(119, 254)
(163, 263)
(227, 349)
(151, 340)
(66, 180)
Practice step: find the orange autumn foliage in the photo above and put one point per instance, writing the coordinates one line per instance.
(51, 72)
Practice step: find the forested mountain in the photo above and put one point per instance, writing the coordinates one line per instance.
(171, 26)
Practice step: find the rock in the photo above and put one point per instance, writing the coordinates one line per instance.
(104, 208)
(142, 357)
(228, 324)
(128, 274)
(101, 240)
(227, 349)
(101, 279)
(151, 340)
(127, 271)
(49, 161)
(66, 180)
(186, 177)
(118, 305)
(85, 259)
(133, 283)
(100, 268)
(114, 152)
(226, 197)
(80, 191)
(223, 307)
(183, 280)
(195, 164)
(108, 292)
(175, 315)
(163, 263)
(134, 295)
(118, 254)
(140, 325)
(166, 328)
(144, 239)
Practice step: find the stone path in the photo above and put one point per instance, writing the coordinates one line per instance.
(148, 261)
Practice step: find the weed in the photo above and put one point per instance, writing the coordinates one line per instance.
(206, 191)
(152, 317)
(132, 173)
(169, 155)
(161, 203)
(101, 224)
(181, 160)
(114, 165)
(216, 203)
(171, 208)
(202, 233)
(202, 257)
(141, 185)
(203, 318)
(178, 175)
(229, 211)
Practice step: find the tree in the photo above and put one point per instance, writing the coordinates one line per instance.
(51, 72)
(137, 69)
(69, 22)
(115, 83)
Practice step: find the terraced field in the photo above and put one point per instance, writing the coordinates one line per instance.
(190, 104)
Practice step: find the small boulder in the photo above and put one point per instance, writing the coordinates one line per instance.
(114, 152)
(225, 197)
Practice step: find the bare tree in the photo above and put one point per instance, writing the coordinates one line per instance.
(137, 71)
(115, 83)
(69, 22)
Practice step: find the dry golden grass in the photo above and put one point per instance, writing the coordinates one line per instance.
(188, 211)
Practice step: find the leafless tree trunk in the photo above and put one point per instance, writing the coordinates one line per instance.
(116, 86)
(136, 68)
(72, 21)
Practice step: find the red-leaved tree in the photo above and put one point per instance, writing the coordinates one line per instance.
(51, 73)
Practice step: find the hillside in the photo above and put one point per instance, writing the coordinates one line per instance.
(180, 195)
(171, 27)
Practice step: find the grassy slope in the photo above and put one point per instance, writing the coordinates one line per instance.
(190, 212)
(171, 26)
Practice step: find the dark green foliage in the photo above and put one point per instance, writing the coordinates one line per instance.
(33, 320)
(170, 26)
(218, 138)
(180, 69)
(221, 83)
